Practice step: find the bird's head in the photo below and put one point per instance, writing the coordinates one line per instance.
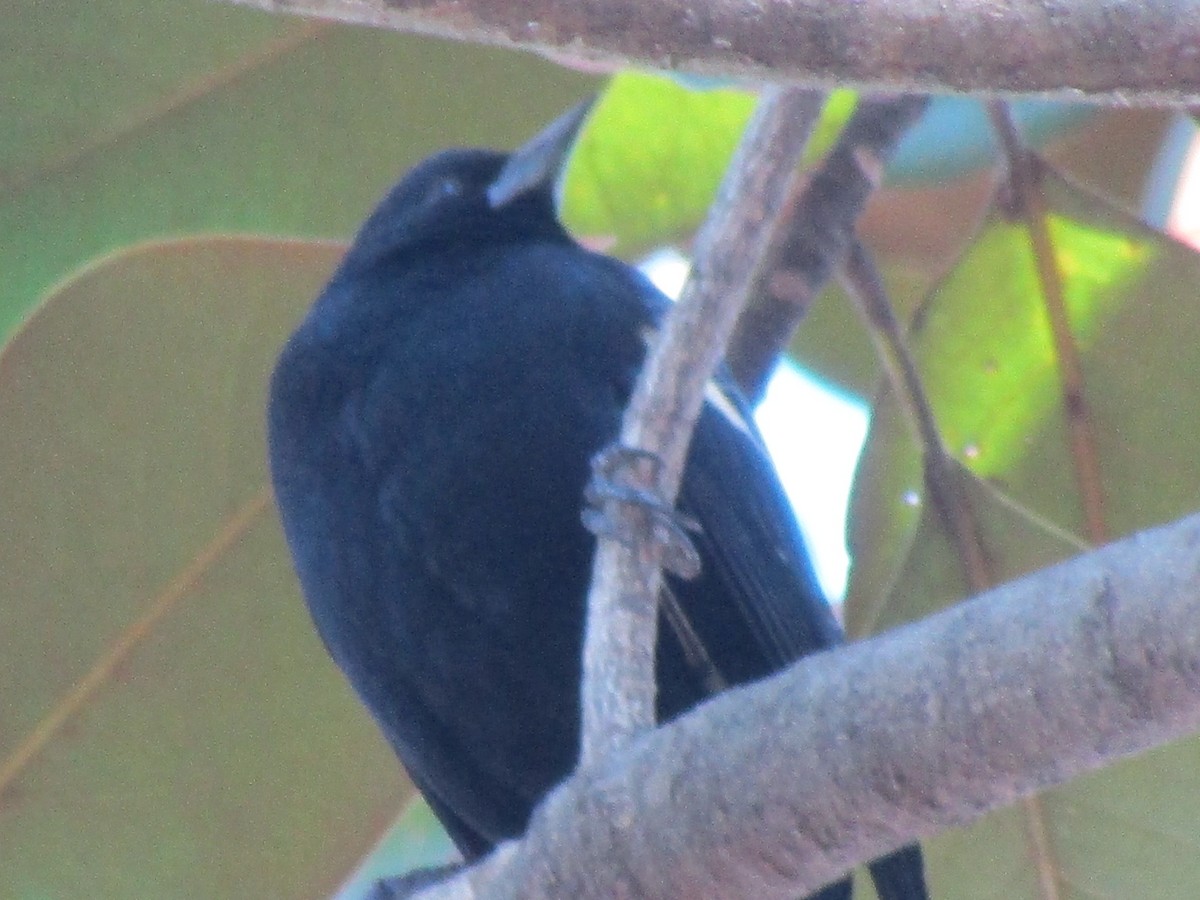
(469, 195)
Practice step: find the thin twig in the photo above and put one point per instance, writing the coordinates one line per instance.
(943, 475)
(618, 660)
(1025, 180)
(1025, 184)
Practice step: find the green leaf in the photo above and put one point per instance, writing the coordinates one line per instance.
(996, 344)
(647, 165)
(171, 721)
(985, 355)
(124, 123)
(649, 162)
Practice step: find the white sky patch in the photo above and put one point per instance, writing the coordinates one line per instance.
(1183, 220)
(815, 435)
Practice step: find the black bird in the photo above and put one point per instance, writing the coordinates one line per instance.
(431, 424)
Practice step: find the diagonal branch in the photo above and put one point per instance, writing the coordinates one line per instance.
(1123, 51)
(618, 655)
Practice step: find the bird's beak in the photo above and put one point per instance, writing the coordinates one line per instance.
(540, 161)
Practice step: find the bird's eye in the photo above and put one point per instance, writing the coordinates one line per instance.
(443, 189)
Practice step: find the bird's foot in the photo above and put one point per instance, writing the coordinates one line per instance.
(619, 474)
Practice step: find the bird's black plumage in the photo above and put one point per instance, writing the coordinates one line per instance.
(431, 423)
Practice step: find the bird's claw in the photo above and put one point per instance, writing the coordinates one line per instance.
(610, 489)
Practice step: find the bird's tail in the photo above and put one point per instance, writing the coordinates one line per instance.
(900, 875)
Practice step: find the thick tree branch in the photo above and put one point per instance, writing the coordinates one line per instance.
(1121, 51)
(774, 789)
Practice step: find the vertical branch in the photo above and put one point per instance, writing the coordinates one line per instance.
(1025, 179)
(618, 660)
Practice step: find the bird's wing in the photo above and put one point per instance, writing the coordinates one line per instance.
(754, 562)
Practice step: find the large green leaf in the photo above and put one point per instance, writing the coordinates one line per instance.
(984, 351)
(171, 726)
(648, 164)
(124, 123)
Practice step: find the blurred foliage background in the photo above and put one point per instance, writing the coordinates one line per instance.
(176, 182)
